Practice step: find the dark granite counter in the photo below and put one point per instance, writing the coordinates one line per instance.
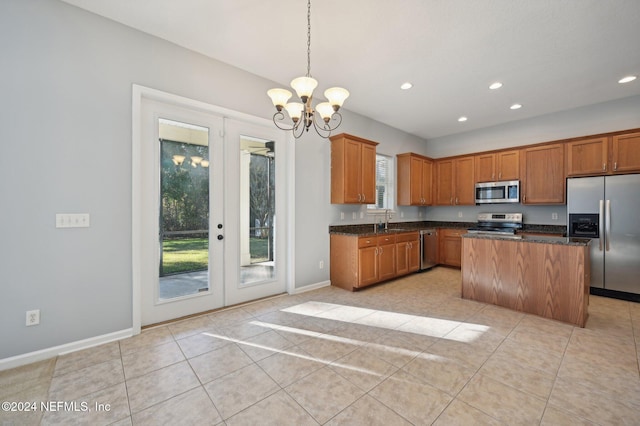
(533, 239)
(561, 230)
(368, 229)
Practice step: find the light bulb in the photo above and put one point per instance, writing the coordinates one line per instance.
(304, 87)
(279, 97)
(336, 96)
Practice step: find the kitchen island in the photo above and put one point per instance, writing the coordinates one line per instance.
(545, 276)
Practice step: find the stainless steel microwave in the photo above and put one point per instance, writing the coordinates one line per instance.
(498, 192)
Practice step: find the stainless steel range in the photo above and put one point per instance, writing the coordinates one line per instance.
(497, 223)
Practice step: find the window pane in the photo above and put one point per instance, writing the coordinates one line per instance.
(383, 183)
(184, 209)
(257, 201)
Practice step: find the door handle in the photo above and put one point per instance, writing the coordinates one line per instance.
(607, 225)
(601, 225)
(220, 237)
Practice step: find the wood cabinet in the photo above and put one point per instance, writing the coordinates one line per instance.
(414, 180)
(549, 280)
(357, 262)
(455, 181)
(604, 155)
(497, 166)
(625, 156)
(407, 253)
(587, 157)
(386, 257)
(543, 176)
(353, 170)
(450, 246)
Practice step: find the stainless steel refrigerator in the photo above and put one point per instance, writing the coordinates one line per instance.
(607, 209)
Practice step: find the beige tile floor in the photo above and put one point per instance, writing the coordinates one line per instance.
(406, 352)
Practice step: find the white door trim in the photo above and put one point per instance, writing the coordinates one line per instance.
(140, 92)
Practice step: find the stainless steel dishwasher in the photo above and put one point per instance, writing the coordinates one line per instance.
(428, 248)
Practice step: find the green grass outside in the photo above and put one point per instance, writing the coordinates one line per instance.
(192, 254)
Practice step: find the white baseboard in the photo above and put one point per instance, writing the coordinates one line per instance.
(28, 358)
(311, 287)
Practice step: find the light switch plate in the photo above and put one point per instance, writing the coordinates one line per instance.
(73, 220)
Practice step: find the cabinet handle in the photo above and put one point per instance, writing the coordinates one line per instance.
(524, 198)
(500, 175)
(456, 200)
(381, 251)
(376, 252)
(451, 200)
(604, 167)
(615, 166)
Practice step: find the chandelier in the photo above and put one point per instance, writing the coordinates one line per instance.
(303, 115)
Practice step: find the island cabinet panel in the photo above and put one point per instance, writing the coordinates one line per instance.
(549, 280)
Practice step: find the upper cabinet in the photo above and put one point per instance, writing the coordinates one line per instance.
(587, 157)
(543, 176)
(455, 181)
(414, 180)
(626, 153)
(503, 165)
(604, 155)
(353, 170)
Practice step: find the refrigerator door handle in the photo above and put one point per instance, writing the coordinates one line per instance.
(607, 225)
(601, 225)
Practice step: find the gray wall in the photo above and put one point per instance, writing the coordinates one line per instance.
(66, 138)
(66, 148)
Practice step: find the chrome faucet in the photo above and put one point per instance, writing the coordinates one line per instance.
(387, 217)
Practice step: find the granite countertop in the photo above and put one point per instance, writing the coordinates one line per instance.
(533, 239)
(368, 229)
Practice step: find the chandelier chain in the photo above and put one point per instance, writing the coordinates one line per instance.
(308, 38)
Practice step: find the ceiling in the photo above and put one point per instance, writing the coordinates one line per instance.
(550, 55)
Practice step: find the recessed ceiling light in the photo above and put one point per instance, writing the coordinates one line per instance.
(461, 119)
(515, 106)
(627, 79)
(406, 86)
(495, 85)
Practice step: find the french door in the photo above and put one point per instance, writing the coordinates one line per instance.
(212, 213)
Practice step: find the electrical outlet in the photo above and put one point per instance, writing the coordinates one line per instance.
(321, 264)
(33, 317)
(554, 216)
(341, 215)
(401, 214)
(459, 214)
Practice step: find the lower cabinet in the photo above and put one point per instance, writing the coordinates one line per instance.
(450, 246)
(357, 262)
(407, 253)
